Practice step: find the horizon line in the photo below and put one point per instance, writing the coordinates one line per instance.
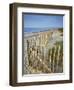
(42, 31)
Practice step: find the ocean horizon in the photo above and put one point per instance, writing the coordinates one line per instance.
(41, 29)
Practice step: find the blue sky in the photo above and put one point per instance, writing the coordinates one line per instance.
(43, 21)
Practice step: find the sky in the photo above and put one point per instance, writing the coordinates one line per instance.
(36, 21)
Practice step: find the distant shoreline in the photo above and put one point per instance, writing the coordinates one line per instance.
(41, 30)
(29, 34)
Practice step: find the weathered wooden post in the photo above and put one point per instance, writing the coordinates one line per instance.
(58, 57)
(50, 58)
(54, 58)
(28, 56)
